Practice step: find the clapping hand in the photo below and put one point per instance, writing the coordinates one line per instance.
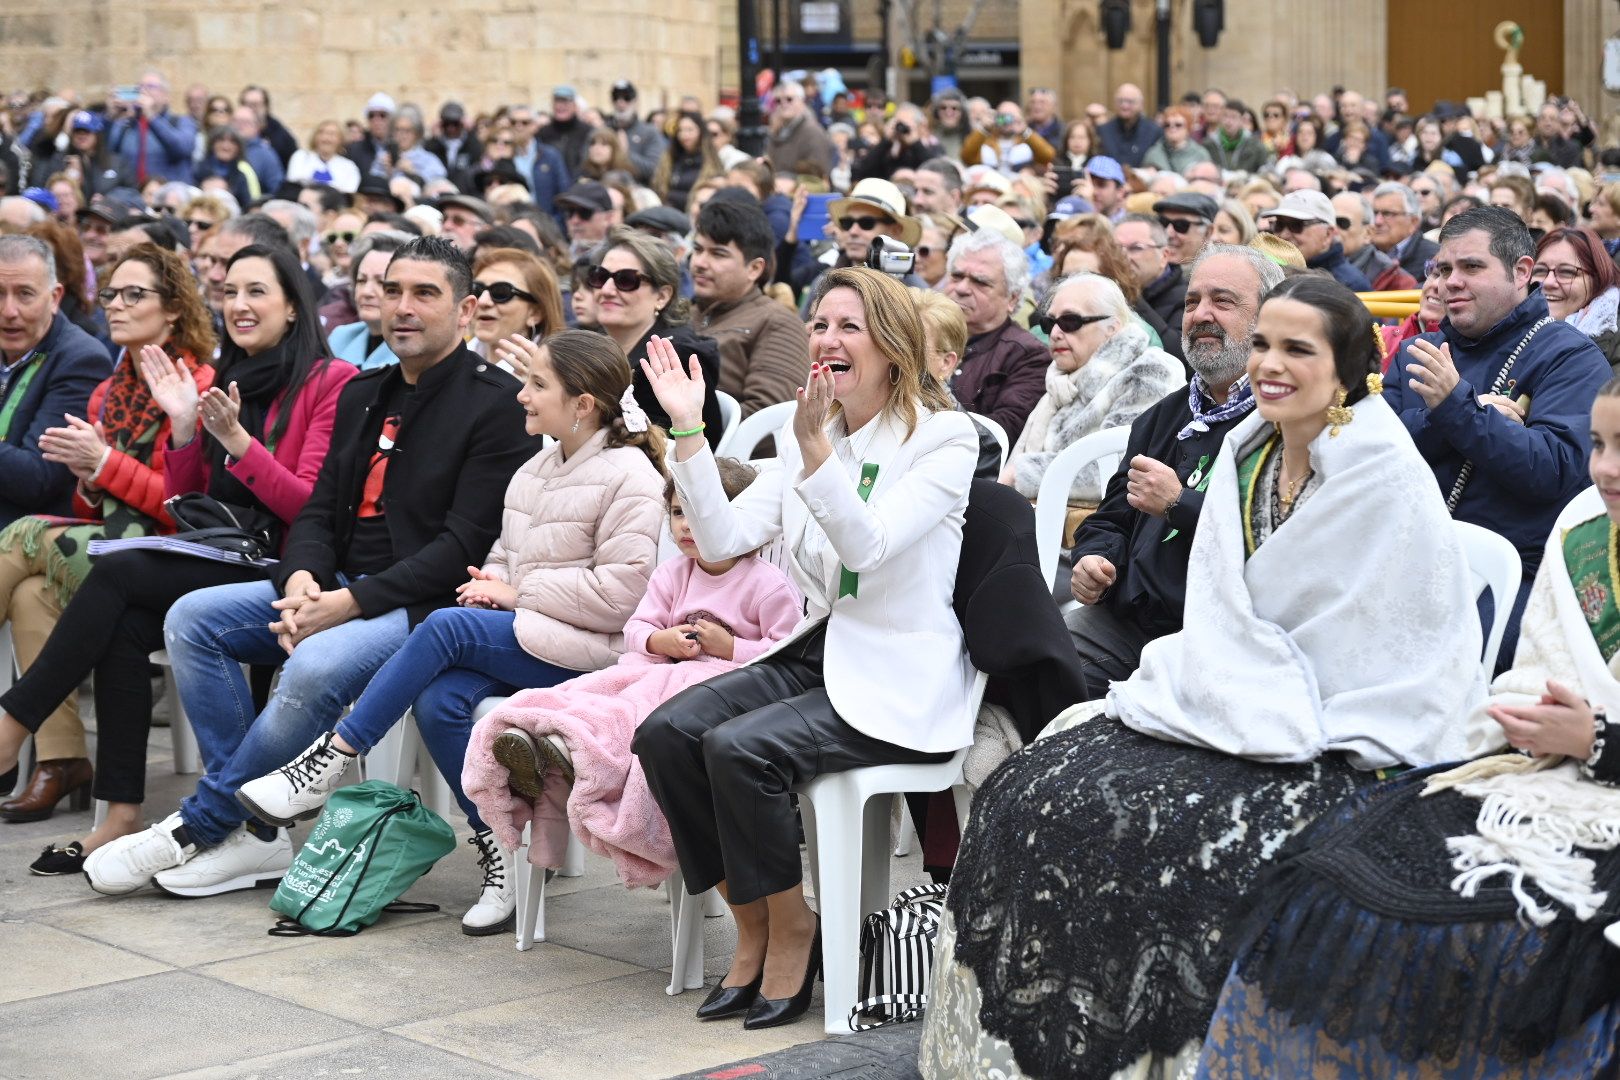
(680, 391)
(173, 389)
(221, 412)
(1434, 376)
(1092, 577)
(810, 419)
(80, 446)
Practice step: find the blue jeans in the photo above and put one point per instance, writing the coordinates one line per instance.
(210, 634)
(452, 661)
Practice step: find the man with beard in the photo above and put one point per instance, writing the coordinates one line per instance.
(1130, 557)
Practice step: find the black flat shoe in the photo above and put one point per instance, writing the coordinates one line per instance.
(767, 1012)
(724, 1001)
(55, 861)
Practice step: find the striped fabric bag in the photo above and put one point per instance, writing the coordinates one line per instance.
(897, 955)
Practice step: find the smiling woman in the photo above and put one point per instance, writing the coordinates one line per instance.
(517, 295)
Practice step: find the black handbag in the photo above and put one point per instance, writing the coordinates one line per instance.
(203, 519)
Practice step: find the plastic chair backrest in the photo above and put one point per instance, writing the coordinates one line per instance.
(730, 414)
(742, 440)
(1052, 501)
(1493, 564)
(998, 431)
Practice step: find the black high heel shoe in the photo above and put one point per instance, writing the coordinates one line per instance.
(724, 1001)
(769, 1012)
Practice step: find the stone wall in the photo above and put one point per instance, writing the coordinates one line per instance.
(324, 59)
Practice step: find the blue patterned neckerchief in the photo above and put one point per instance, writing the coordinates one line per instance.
(1239, 401)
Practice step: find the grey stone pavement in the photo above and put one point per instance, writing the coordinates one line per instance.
(149, 985)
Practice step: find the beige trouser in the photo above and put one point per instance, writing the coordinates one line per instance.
(27, 599)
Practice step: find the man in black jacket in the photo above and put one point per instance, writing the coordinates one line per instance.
(1130, 557)
(409, 496)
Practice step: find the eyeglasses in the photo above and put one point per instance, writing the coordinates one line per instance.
(1377, 213)
(1343, 222)
(524, 121)
(198, 224)
(1282, 225)
(333, 238)
(503, 292)
(1175, 123)
(865, 221)
(581, 213)
(1565, 275)
(1024, 223)
(624, 280)
(1182, 225)
(129, 294)
(1068, 322)
(924, 251)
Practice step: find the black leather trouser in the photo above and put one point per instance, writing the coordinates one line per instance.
(721, 758)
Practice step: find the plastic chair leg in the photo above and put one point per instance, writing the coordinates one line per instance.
(686, 938)
(531, 899)
(574, 859)
(714, 905)
(838, 897)
(906, 832)
(101, 814)
(383, 763)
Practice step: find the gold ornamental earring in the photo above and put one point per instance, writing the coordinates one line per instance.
(1375, 384)
(1338, 414)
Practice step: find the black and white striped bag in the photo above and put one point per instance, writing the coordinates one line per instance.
(897, 956)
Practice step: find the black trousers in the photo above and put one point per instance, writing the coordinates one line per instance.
(722, 756)
(1110, 647)
(110, 627)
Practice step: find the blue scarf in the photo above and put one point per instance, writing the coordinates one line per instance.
(1239, 401)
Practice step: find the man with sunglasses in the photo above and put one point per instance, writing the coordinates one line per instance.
(374, 154)
(465, 216)
(1354, 217)
(1306, 219)
(1187, 217)
(455, 146)
(642, 142)
(588, 209)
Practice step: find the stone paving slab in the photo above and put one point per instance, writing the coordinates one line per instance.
(375, 1056)
(41, 961)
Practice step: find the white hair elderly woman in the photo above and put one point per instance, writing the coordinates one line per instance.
(1103, 374)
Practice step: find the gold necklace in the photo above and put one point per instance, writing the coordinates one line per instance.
(1290, 492)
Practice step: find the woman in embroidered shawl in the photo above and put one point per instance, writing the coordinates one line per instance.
(1465, 923)
(1328, 605)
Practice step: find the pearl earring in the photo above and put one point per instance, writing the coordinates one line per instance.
(576, 427)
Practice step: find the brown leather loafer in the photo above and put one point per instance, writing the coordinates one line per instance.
(52, 782)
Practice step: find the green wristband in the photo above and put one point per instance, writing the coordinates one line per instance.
(690, 431)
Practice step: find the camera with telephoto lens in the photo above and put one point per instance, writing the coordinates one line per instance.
(890, 256)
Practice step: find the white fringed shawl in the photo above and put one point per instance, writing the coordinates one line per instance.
(1537, 813)
(1352, 628)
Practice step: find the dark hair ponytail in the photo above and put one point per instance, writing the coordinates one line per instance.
(1358, 348)
(589, 363)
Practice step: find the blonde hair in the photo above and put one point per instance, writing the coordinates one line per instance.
(942, 320)
(897, 331)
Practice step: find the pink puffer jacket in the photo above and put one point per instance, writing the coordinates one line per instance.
(579, 539)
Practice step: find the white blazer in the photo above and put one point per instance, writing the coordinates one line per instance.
(896, 667)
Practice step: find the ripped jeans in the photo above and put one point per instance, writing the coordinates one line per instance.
(210, 634)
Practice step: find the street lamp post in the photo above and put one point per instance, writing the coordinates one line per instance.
(750, 123)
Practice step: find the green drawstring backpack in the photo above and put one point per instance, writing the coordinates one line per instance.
(371, 844)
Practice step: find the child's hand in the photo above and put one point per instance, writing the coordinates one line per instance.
(715, 640)
(674, 643)
(485, 590)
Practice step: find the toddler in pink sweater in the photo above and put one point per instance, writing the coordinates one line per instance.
(560, 756)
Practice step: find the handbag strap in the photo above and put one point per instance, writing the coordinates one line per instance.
(1466, 473)
(905, 1007)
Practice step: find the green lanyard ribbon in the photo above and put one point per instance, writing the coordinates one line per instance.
(848, 580)
(16, 392)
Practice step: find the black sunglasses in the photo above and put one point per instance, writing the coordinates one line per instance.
(623, 280)
(865, 221)
(502, 292)
(582, 213)
(1182, 225)
(1280, 225)
(346, 237)
(1068, 322)
(1343, 223)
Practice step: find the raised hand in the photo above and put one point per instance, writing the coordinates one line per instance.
(174, 391)
(680, 392)
(518, 353)
(221, 412)
(810, 419)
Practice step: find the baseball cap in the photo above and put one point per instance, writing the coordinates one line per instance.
(1303, 206)
(120, 208)
(87, 121)
(997, 220)
(566, 93)
(1068, 207)
(625, 89)
(1104, 167)
(380, 102)
(43, 198)
(471, 203)
(587, 195)
(1191, 202)
(660, 219)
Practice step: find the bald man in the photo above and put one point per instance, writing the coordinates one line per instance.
(1128, 135)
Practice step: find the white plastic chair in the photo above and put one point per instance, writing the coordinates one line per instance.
(400, 758)
(187, 759)
(742, 440)
(846, 831)
(730, 414)
(996, 430)
(1494, 564)
(1052, 501)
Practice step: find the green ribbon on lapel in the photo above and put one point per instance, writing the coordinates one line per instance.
(848, 580)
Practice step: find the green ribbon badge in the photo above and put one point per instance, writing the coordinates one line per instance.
(1198, 481)
(849, 582)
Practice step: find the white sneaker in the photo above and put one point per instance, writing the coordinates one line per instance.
(123, 865)
(298, 790)
(496, 910)
(243, 861)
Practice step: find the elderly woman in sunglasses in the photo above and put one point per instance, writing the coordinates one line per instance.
(1104, 374)
(635, 288)
(517, 296)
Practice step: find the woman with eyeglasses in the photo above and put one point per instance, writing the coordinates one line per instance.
(1582, 286)
(201, 214)
(1104, 374)
(116, 450)
(253, 438)
(1177, 151)
(322, 162)
(517, 296)
(635, 293)
(1274, 126)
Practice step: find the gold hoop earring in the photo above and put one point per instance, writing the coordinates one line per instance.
(894, 374)
(1339, 414)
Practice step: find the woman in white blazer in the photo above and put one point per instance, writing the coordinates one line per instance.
(868, 495)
